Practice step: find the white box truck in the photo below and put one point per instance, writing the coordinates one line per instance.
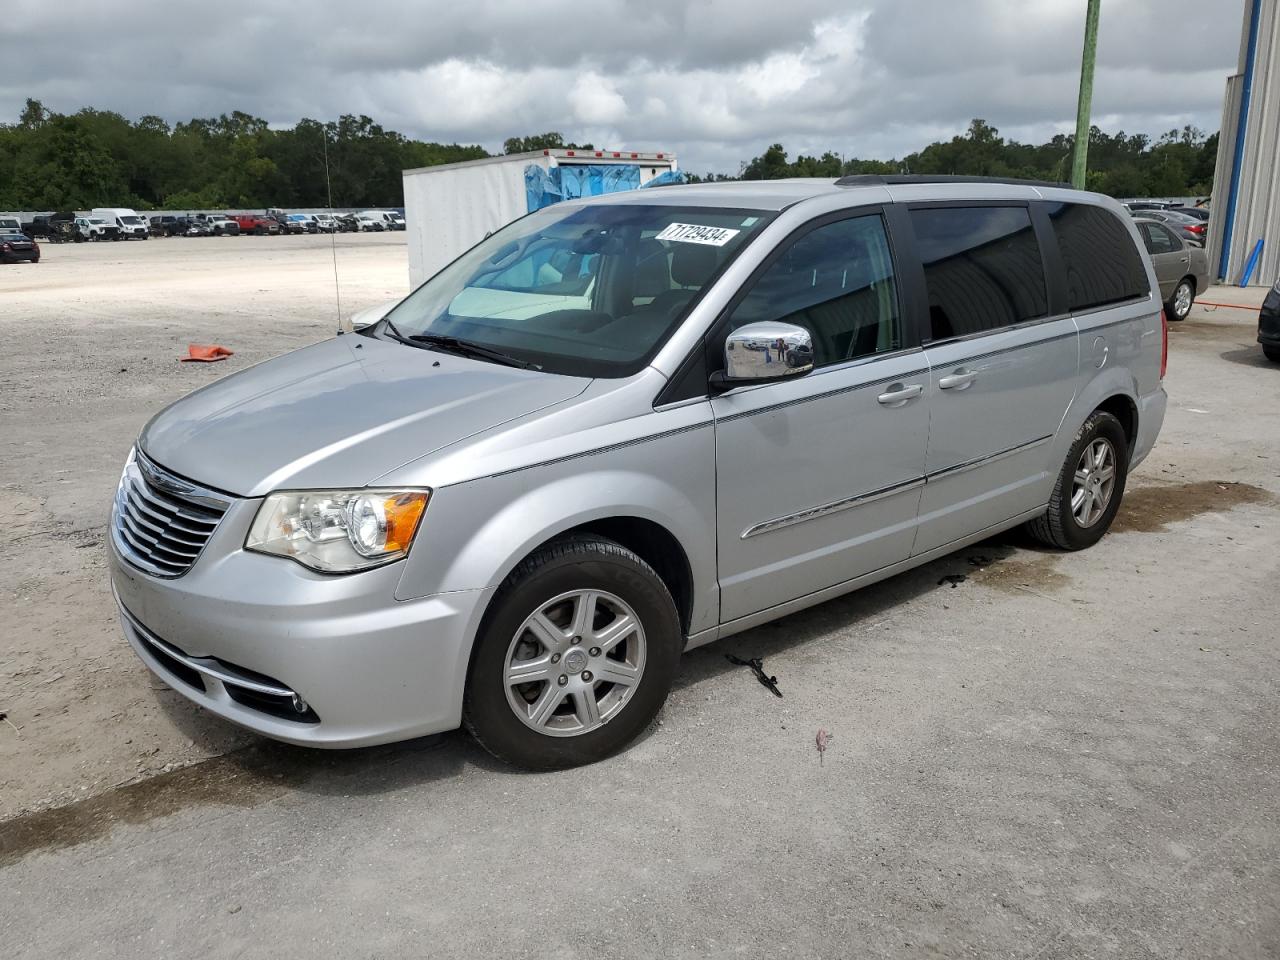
(451, 207)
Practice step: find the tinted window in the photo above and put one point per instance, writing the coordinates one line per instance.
(1103, 265)
(982, 266)
(1158, 239)
(837, 282)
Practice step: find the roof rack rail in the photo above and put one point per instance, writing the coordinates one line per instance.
(892, 179)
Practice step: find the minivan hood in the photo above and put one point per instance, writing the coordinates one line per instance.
(339, 414)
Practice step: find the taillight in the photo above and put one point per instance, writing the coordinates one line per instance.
(1164, 344)
(1196, 227)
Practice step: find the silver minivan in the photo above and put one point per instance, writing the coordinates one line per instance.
(622, 427)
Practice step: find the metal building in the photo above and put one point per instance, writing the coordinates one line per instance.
(1246, 185)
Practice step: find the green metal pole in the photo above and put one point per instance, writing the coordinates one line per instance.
(1080, 161)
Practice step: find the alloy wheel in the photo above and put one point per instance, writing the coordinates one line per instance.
(574, 663)
(1182, 300)
(1094, 483)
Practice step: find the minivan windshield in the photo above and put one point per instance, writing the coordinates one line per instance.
(587, 290)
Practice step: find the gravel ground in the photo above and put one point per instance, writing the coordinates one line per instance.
(1060, 756)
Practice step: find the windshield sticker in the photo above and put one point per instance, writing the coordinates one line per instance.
(693, 233)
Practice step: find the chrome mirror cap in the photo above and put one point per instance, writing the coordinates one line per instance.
(767, 351)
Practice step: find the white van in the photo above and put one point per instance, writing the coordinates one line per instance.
(129, 224)
(10, 224)
(369, 221)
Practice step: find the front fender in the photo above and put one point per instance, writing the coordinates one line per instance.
(474, 533)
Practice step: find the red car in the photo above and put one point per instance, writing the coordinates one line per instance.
(258, 226)
(17, 246)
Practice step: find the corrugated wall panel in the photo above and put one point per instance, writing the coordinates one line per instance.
(1258, 204)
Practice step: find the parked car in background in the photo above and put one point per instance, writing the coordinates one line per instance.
(1182, 267)
(220, 225)
(257, 225)
(10, 224)
(1200, 213)
(626, 426)
(1190, 228)
(54, 227)
(168, 225)
(307, 221)
(369, 221)
(1148, 204)
(289, 225)
(194, 227)
(396, 220)
(1269, 324)
(129, 226)
(95, 228)
(346, 222)
(325, 223)
(16, 247)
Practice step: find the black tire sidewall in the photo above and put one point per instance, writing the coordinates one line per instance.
(1099, 424)
(560, 568)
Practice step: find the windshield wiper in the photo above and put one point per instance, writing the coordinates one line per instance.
(467, 348)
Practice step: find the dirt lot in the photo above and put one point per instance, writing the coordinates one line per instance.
(1059, 756)
(92, 339)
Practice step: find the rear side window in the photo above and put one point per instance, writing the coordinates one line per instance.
(982, 266)
(1103, 264)
(1158, 238)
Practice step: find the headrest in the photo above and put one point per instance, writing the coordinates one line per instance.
(692, 263)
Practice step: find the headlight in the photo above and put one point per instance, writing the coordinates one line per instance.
(338, 531)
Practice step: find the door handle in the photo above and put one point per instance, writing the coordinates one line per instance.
(958, 380)
(897, 394)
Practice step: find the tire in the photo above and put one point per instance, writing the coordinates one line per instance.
(551, 584)
(1179, 304)
(1271, 353)
(1065, 526)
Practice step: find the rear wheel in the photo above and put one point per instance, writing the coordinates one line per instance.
(1184, 295)
(575, 656)
(1089, 488)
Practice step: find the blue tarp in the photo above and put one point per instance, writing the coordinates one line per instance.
(670, 178)
(545, 187)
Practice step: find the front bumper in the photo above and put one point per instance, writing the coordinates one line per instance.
(367, 668)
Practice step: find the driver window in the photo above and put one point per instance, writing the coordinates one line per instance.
(837, 282)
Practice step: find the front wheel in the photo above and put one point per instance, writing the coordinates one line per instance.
(1089, 488)
(1271, 353)
(1184, 295)
(575, 656)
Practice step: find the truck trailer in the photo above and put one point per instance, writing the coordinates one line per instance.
(452, 207)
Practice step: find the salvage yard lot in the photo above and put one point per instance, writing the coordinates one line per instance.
(1057, 756)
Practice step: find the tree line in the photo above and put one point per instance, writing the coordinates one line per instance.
(1178, 163)
(91, 158)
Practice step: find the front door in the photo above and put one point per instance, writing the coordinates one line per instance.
(1002, 370)
(818, 477)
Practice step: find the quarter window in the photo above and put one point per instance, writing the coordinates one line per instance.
(837, 282)
(1103, 264)
(982, 266)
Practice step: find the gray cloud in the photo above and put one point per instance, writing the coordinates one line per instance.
(714, 80)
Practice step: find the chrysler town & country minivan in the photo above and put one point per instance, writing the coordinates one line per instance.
(626, 426)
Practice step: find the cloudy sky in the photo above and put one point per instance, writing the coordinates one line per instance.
(714, 80)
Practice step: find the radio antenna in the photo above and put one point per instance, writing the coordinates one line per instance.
(333, 234)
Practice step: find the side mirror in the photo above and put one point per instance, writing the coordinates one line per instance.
(760, 352)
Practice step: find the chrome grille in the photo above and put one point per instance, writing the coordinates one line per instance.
(160, 522)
